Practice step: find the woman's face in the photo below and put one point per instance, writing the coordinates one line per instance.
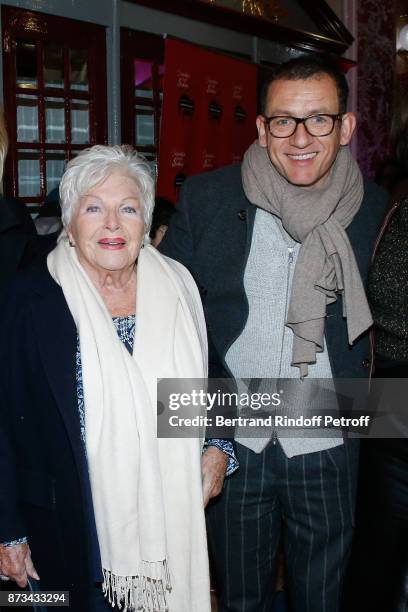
(108, 226)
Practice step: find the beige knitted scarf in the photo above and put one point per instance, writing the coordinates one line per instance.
(326, 266)
(146, 491)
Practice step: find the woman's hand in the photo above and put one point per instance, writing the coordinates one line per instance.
(16, 563)
(213, 467)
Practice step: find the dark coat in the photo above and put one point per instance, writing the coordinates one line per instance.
(211, 234)
(42, 484)
(20, 245)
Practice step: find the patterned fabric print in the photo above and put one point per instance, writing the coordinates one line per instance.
(227, 447)
(15, 542)
(80, 392)
(125, 326)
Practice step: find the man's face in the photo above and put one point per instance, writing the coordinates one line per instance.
(303, 159)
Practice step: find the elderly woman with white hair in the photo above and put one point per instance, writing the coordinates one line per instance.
(91, 500)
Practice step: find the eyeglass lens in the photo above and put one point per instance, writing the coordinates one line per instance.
(317, 125)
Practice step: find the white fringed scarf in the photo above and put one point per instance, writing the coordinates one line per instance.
(146, 491)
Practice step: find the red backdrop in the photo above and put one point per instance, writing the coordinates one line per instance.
(208, 115)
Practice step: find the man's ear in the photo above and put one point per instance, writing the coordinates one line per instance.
(348, 125)
(260, 126)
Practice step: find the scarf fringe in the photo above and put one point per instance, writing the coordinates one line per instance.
(147, 591)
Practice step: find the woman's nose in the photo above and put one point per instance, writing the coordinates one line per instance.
(112, 221)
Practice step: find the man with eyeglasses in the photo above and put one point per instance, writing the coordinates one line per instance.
(280, 248)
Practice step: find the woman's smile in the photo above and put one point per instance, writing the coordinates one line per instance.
(112, 244)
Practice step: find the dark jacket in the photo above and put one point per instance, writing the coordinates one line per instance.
(42, 484)
(211, 234)
(20, 246)
(388, 293)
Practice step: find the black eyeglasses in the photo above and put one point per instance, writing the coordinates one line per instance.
(283, 126)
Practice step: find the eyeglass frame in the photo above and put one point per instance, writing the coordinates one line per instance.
(298, 120)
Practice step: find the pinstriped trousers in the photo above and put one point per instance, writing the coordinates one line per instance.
(306, 501)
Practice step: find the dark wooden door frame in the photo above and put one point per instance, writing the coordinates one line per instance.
(39, 28)
(143, 46)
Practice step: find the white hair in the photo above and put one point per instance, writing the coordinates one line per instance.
(93, 166)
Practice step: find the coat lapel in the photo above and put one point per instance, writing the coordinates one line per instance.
(57, 340)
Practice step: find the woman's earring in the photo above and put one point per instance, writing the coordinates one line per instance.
(71, 242)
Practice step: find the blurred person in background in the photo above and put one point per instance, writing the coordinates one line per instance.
(378, 576)
(393, 172)
(48, 220)
(19, 244)
(162, 214)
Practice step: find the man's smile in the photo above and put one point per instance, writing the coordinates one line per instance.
(302, 156)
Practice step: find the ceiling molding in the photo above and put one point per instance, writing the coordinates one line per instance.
(334, 37)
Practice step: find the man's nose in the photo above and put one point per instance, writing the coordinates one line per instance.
(301, 138)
